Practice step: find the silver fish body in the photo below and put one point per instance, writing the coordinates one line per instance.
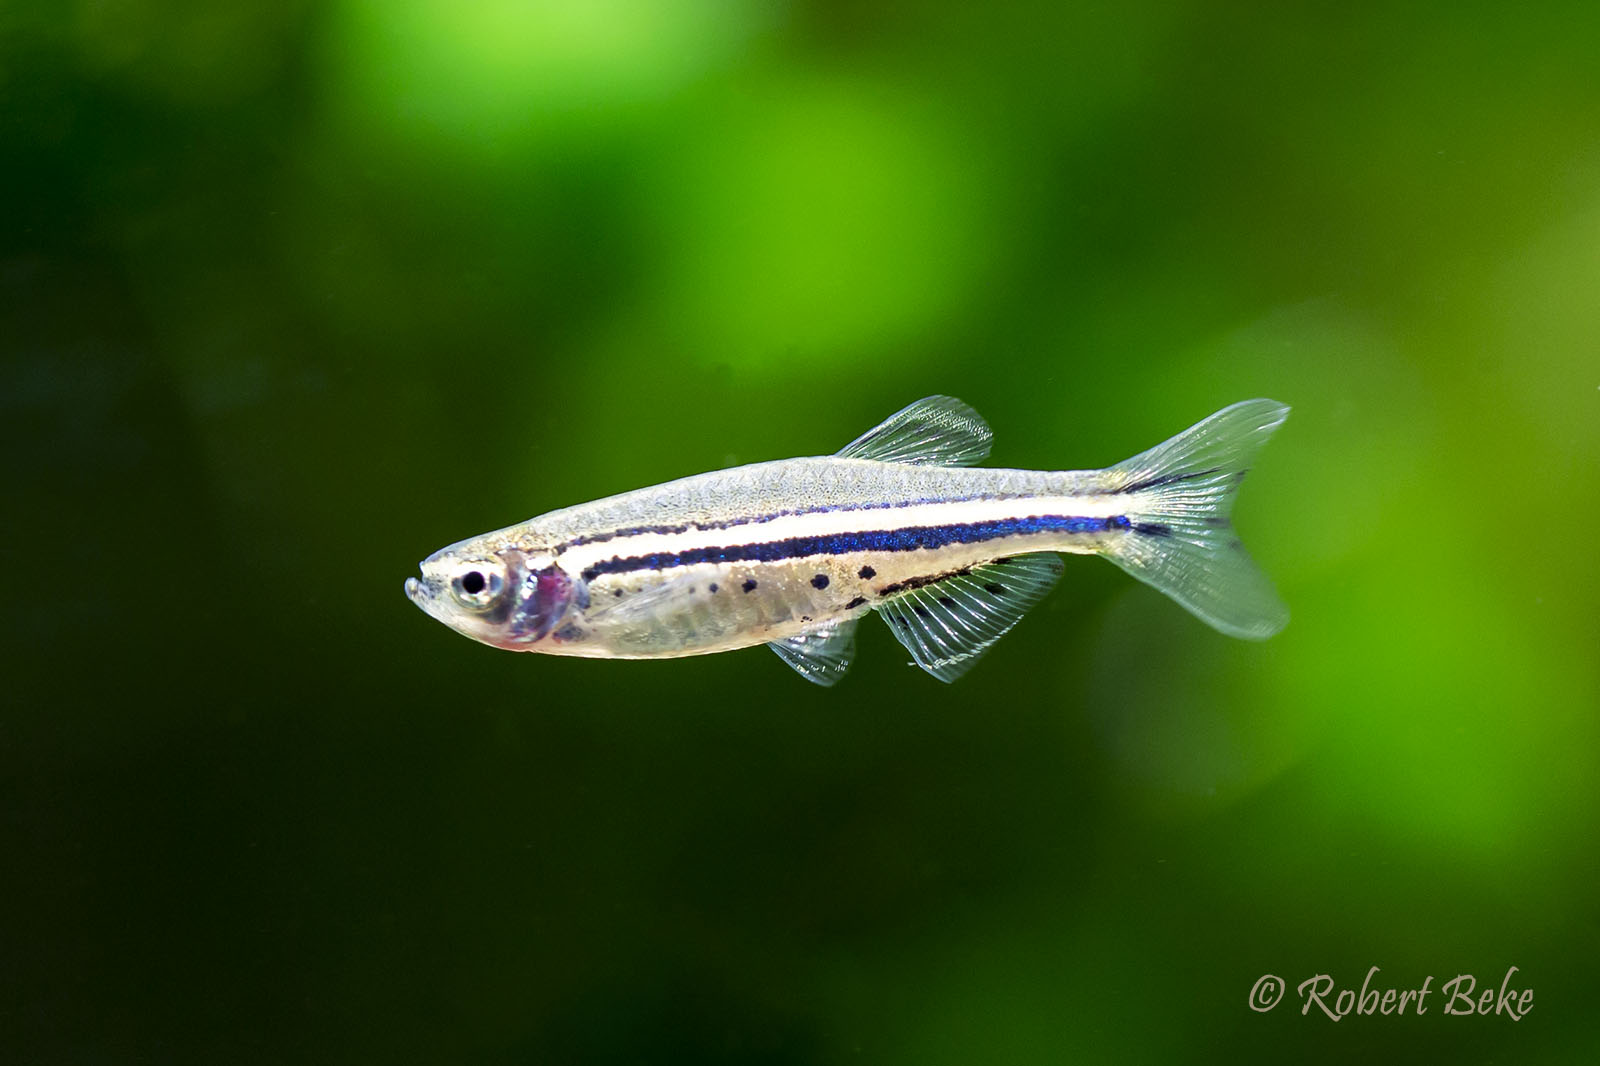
(792, 553)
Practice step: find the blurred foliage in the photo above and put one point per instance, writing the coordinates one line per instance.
(294, 293)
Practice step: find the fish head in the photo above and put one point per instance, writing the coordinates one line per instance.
(504, 598)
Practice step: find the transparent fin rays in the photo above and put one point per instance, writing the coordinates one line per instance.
(935, 431)
(1179, 496)
(821, 656)
(948, 624)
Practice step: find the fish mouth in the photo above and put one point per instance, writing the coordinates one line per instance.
(413, 590)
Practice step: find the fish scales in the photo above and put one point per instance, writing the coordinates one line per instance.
(791, 552)
(786, 545)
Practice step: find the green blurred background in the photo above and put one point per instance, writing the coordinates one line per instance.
(291, 294)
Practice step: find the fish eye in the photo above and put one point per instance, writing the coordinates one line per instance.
(477, 588)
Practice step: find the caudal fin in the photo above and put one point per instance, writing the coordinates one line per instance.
(1179, 495)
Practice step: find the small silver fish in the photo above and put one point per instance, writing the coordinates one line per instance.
(793, 553)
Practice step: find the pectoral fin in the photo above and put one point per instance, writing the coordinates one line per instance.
(821, 656)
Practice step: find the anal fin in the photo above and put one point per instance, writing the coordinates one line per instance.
(948, 624)
(821, 656)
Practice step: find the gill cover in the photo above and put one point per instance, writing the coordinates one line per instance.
(547, 595)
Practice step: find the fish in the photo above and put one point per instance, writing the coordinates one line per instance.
(900, 522)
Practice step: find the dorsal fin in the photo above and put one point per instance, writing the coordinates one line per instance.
(821, 656)
(936, 431)
(948, 624)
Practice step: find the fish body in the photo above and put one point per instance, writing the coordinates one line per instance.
(793, 553)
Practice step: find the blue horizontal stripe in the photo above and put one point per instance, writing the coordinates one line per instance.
(772, 516)
(910, 538)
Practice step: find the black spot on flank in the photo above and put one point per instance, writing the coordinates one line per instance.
(616, 592)
(820, 581)
(857, 602)
(805, 618)
(867, 573)
(1153, 529)
(923, 611)
(998, 590)
(713, 586)
(947, 601)
(750, 585)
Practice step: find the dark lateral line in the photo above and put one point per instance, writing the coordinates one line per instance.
(911, 538)
(773, 516)
(1166, 479)
(920, 582)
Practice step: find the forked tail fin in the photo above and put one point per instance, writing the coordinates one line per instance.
(1178, 498)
